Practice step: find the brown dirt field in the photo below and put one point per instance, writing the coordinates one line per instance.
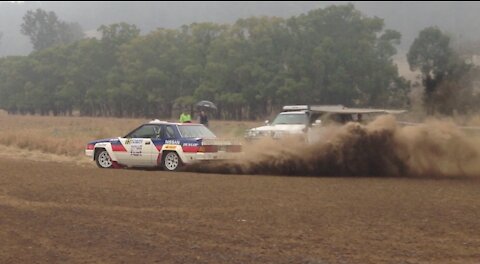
(54, 212)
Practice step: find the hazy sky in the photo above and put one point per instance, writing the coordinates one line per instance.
(461, 19)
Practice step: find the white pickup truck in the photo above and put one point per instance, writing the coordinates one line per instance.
(293, 120)
(298, 120)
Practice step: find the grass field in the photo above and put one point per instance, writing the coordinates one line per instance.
(69, 135)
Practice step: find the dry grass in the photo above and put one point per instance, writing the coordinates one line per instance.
(69, 135)
(59, 135)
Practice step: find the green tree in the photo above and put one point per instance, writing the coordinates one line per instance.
(110, 82)
(46, 30)
(430, 52)
(439, 64)
(86, 77)
(115, 35)
(249, 68)
(12, 82)
(343, 57)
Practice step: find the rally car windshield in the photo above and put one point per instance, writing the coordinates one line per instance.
(290, 119)
(195, 131)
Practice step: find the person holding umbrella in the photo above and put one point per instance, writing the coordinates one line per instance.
(203, 106)
(203, 118)
(206, 105)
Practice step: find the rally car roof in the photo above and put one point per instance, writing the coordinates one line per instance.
(157, 121)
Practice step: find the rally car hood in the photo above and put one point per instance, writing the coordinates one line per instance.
(104, 140)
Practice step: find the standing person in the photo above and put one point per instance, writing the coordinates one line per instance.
(359, 118)
(203, 118)
(185, 117)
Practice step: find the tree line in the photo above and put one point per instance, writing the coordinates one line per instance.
(250, 68)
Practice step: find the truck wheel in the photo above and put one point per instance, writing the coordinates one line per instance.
(171, 161)
(103, 159)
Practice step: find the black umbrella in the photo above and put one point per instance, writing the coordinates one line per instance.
(206, 104)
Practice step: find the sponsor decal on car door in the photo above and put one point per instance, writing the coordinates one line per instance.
(138, 152)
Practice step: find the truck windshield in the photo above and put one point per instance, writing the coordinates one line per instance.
(195, 131)
(290, 119)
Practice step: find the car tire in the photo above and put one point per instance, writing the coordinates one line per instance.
(103, 159)
(171, 161)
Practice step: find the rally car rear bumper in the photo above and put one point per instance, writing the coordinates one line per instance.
(195, 157)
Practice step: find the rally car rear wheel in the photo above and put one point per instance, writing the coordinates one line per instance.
(171, 161)
(103, 159)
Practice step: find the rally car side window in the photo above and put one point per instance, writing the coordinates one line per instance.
(168, 132)
(145, 131)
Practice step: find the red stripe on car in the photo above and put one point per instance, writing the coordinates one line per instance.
(118, 147)
(190, 149)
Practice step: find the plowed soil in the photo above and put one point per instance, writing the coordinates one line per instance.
(53, 212)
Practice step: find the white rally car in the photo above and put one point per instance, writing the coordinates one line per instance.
(161, 144)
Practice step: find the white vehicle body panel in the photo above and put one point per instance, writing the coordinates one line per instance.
(279, 130)
(139, 152)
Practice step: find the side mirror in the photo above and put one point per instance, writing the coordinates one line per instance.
(267, 122)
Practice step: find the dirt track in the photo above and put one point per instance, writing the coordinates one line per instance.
(58, 213)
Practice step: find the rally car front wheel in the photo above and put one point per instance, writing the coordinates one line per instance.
(103, 159)
(171, 161)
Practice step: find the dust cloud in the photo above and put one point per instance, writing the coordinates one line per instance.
(383, 148)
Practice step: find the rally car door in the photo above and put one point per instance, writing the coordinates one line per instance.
(139, 147)
(168, 140)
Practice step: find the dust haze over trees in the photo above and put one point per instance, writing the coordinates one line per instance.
(335, 55)
(447, 79)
